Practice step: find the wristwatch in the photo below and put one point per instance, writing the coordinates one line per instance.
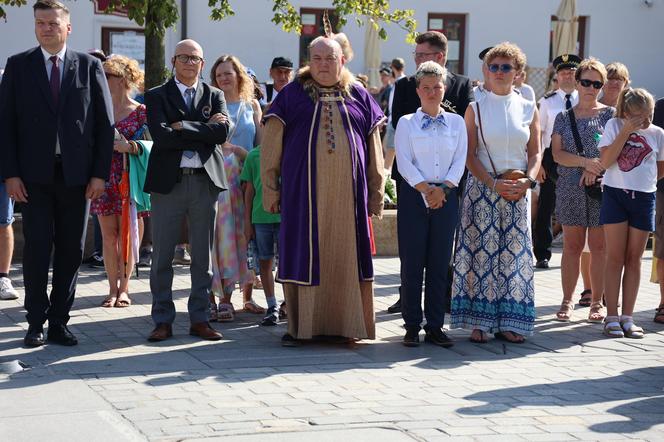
(533, 183)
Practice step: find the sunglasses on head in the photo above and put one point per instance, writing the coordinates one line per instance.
(587, 83)
(504, 68)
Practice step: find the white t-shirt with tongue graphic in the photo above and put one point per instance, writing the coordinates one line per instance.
(636, 166)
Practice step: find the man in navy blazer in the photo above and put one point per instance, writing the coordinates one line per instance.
(56, 129)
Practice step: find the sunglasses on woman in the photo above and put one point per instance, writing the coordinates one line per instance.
(504, 68)
(587, 83)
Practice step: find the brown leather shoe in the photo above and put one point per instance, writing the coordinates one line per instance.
(161, 332)
(203, 330)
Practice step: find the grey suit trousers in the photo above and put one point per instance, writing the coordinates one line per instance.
(195, 197)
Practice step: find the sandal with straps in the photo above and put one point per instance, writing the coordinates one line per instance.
(226, 313)
(631, 330)
(613, 329)
(251, 307)
(659, 314)
(586, 298)
(565, 312)
(596, 313)
(109, 301)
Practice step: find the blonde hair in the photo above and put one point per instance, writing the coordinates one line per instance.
(591, 64)
(631, 100)
(245, 84)
(346, 48)
(507, 50)
(128, 69)
(617, 70)
(430, 69)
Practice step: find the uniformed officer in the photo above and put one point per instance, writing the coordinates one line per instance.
(481, 89)
(553, 103)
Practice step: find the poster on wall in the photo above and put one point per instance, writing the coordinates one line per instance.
(128, 43)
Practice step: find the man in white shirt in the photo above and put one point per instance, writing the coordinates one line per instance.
(553, 103)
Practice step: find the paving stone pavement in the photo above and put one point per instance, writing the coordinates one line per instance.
(566, 383)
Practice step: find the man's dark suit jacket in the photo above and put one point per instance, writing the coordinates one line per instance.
(165, 106)
(458, 95)
(29, 120)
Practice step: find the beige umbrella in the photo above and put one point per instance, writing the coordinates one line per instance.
(566, 29)
(372, 54)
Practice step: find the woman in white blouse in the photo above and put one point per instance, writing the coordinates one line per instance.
(431, 151)
(493, 287)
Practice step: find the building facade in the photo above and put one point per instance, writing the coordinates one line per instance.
(630, 31)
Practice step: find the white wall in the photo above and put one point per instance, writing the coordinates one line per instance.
(618, 30)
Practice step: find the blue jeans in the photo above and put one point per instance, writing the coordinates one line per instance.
(6, 207)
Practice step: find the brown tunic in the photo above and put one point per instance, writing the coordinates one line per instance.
(341, 305)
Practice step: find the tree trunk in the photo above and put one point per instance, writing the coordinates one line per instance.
(155, 71)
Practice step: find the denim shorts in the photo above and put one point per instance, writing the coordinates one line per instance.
(267, 240)
(637, 208)
(6, 207)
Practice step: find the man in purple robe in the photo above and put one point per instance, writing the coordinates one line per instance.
(321, 168)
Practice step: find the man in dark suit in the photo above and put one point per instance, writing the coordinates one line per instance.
(187, 120)
(57, 141)
(430, 46)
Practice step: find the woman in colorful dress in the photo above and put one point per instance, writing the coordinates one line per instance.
(632, 151)
(578, 196)
(493, 288)
(124, 78)
(229, 258)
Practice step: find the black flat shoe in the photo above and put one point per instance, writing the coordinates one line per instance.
(60, 334)
(438, 337)
(34, 337)
(412, 338)
(288, 340)
(542, 264)
(395, 308)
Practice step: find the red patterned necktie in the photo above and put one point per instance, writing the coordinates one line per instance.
(55, 79)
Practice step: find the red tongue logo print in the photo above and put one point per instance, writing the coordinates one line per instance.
(633, 152)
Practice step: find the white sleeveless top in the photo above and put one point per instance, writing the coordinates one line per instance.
(506, 125)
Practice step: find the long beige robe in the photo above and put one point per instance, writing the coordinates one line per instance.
(341, 305)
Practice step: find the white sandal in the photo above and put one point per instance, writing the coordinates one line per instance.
(631, 330)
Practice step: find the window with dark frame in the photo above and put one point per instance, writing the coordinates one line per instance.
(454, 28)
(312, 27)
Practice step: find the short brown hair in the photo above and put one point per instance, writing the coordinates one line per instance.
(50, 4)
(630, 100)
(617, 70)
(434, 38)
(590, 64)
(507, 50)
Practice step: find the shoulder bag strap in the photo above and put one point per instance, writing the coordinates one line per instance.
(575, 132)
(486, 146)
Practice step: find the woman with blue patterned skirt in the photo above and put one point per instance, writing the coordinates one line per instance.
(493, 288)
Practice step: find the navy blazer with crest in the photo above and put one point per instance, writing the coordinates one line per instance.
(29, 119)
(165, 105)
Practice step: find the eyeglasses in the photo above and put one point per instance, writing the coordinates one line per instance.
(184, 58)
(587, 83)
(504, 68)
(419, 55)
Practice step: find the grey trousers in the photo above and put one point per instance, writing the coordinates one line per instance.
(194, 197)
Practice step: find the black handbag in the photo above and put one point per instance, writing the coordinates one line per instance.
(594, 190)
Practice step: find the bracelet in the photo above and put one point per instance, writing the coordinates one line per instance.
(133, 147)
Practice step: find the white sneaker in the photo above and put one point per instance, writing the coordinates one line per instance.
(7, 291)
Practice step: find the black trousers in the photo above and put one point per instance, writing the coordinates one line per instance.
(54, 220)
(425, 242)
(543, 232)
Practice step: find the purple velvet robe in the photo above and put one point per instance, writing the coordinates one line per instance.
(298, 235)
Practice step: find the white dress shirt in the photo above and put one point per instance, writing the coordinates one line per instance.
(195, 161)
(549, 110)
(431, 155)
(49, 65)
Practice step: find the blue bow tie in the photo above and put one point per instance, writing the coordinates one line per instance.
(428, 120)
